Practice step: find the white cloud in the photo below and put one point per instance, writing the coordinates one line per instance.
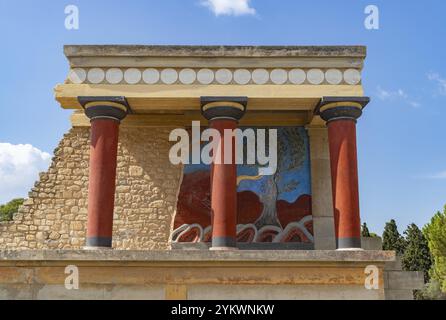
(438, 175)
(441, 82)
(389, 94)
(20, 165)
(414, 104)
(229, 7)
(398, 94)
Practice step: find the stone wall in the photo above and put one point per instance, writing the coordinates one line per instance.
(194, 274)
(398, 284)
(55, 215)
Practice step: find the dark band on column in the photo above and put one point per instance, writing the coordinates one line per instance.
(232, 108)
(341, 108)
(224, 242)
(341, 113)
(105, 242)
(348, 243)
(114, 108)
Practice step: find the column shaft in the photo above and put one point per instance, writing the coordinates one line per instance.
(105, 114)
(224, 113)
(341, 114)
(344, 173)
(224, 192)
(102, 181)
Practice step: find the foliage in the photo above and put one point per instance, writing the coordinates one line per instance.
(7, 210)
(431, 291)
(435, 233)
(416, 256)
(392, 240)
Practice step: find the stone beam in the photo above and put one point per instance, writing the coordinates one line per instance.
(172, 78)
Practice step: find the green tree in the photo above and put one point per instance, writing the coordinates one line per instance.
(392, 239)
(365, 230)
(416, 256)
(435, 233)
(432, 291)
(7, 210)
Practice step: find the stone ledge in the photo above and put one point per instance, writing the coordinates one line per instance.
(196, 256)
(212, 51)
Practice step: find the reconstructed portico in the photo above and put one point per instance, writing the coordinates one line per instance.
(112, 186)
(286, 86)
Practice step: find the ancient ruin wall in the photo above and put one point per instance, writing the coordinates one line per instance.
(55, 215)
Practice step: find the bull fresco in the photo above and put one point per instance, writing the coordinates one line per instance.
(274, 208)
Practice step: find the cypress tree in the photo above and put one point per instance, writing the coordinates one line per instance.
(392, 239)
(416, 256)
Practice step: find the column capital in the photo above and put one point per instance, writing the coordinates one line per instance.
(341, 108)
(231, 108)
(105, 107)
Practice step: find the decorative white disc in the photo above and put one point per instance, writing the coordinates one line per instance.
(352, 76)
(333, 76)
(223, 76)
(297, 76)
(77, 75)
(315, 76)
(260, 76)
(151, 76)
(187, 76)
(279, 76)
(114, 75)
(96, 75)
(205, 76)
(169, 76)
(132, 76)
(242, 76)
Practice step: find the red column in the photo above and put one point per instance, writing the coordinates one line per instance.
(341, 115)
(344, 173)
(102, 180)
(224, 192)
(105, 114)
(223, 113)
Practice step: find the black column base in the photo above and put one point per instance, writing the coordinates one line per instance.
(99, 242)
(224, 242)
(348, 243)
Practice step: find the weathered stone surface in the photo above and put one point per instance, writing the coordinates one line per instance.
(394, 265)
(368, 243)
(398, 294)
(213, 51)
(181, 274)
(324, 233)
(198, 255)
(282, 292)
(409, 280)
(55, 215)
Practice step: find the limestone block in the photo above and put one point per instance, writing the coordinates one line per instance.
(135, 171)
(399, 295)
(368, 243)
(394, 265)
(54, 235)
(405, 280)
(324, 233)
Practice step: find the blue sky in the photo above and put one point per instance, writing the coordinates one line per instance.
(402, 154)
